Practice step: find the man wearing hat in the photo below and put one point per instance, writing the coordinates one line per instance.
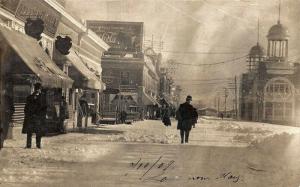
(184, 115)
(35, 114)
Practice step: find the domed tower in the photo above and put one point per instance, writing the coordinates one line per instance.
(256, 55)
(278, 42)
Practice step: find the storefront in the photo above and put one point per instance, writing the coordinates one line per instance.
(86, 84)
(151, 106)
(24, 63)
(279, 101)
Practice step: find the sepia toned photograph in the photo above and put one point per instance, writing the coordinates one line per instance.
(149, 93)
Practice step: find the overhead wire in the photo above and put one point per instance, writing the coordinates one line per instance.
(211, 64)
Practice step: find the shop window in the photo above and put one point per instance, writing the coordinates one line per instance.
(288, 110)
(21, 92)
(269, 110)
(278, 111)
(281, 88)
(276, 88)
(70, 96)
(124, 78)
(93, 95)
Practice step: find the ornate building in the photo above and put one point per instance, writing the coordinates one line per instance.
(270, 89)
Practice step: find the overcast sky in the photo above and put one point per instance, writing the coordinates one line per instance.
(199, 26)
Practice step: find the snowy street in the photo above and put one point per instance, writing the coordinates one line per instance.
(220, 153)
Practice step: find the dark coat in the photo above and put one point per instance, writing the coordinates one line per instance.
(63, 110)
(194, 116)
(35, 114)
(83, 106)
(166, 117)
(184, 115)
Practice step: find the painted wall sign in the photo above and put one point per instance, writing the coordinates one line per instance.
(121, 36)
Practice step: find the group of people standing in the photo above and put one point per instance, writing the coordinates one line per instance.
(36, 111)
(187, 117)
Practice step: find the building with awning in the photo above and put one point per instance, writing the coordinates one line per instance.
(83, 76)
(24, 63)
(148, 100)
(39, 65)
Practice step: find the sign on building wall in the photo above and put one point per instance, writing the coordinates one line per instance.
(38, 9)
(9, 5)
(121, 36)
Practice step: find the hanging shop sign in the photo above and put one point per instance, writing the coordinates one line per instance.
(34, 27)
(9, 5)
(63, 44)
(123, 37)
(38, 9)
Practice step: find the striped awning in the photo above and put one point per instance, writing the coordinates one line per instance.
(36, 59)
(91, 80)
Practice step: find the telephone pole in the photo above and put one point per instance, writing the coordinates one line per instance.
(226, 95)
(236, 97)
(218, 105)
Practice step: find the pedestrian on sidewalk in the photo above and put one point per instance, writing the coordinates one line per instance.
(63, 114)
(166, 116)
(35, 115)
(83, 108)
(184, 115)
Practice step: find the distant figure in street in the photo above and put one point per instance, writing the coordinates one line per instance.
(184, 115)
(222, 115)
(63, 114)
(123, 116)
(194, 117)
(166, 116)
(35, 114)
(142, 114)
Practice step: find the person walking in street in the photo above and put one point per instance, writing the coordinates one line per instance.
(184, 115)
(142, 114)
(166, 116)
(35, 114)
(222, 116)
(123, 116)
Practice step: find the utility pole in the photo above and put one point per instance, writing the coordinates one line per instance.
(236, 97)
(225, 97)
(218, 105)
(152, 42)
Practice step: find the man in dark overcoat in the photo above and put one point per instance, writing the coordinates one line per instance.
(35, 114)
(184, 116)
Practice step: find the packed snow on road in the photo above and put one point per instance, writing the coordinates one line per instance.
(220, 153)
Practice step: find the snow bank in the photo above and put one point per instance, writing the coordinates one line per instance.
(277, 143)
(234, 127)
